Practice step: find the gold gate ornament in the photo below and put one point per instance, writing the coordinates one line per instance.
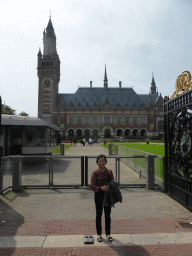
(183, 84)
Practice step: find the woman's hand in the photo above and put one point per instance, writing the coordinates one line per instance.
(105, 188)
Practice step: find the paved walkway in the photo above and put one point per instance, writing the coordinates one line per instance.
(54, 222)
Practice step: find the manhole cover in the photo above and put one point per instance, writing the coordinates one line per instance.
(186, 224)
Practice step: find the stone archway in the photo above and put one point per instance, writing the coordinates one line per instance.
(79, 132)
(87, 133)
(70, 132)
(107, 133)
(135, 133)
(127, 133)
(119, 132)
(143, 133)
(95, 133)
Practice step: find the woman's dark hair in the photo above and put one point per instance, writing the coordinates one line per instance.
(100, 157)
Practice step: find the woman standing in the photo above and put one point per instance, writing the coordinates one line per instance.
(99, 179)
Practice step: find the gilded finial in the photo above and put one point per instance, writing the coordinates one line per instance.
(183, 84)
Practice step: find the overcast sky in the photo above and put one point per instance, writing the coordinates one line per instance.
(133, 37)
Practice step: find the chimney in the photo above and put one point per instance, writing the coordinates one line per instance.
(90, 84)
(120, 84)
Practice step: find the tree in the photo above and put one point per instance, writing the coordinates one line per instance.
(23, 113)
(7, 110)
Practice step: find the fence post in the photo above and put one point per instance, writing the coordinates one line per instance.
(118, 159)
(16, 177)
(82, 171)
(110, 149)
(50, 172)
(150, 179)
(86, 171)
(1, 179)
(164, 177)
(62, 147)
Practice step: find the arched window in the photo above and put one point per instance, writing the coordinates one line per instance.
(43, 64)
(47, 64)
(51, 64)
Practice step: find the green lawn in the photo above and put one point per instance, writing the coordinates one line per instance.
(58, 148)
(156, 149)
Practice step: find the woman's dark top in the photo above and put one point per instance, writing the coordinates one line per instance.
(99, 179)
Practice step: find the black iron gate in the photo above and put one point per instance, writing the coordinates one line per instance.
(178, 152)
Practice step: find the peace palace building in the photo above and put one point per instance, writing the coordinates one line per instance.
(95, 111)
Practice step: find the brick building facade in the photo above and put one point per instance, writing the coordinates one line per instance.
(95, 111)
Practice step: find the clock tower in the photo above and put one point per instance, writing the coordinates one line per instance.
(48, 71)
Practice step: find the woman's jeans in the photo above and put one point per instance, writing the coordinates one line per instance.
(99, 210)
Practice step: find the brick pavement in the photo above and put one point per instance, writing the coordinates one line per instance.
(20, 222)
(134, 250)
(84, 227)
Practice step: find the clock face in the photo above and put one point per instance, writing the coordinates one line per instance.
(47, 83)
(185, 144)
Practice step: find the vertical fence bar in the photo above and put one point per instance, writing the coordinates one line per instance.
(118, 170)
(50, 172)
(164, 177)
(1, 178)
(86, 171)
(82, 171)
(116, 167)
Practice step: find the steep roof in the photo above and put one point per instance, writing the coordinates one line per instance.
(95, 97)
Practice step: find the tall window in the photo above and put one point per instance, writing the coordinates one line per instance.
(127, 120)
(143, 120)
(70, 119)
(135, 120)
(119, 119)
(107, 119)
(79, 120)
(95, 119)
(87, 119)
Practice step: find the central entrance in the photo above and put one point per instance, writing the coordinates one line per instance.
(107, 134)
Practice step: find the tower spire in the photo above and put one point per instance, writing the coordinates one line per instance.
(49, 40)
(105, 78)
(153, 85)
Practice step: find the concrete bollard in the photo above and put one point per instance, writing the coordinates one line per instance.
(62, 147)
